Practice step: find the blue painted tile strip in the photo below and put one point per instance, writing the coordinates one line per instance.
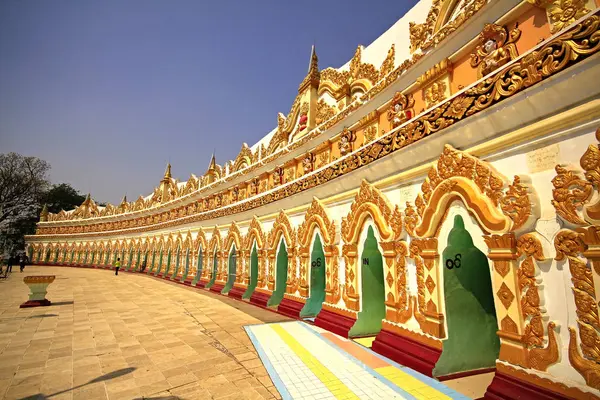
(285, 395)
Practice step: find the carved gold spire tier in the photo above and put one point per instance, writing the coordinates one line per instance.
(313, 76)
(44, 213)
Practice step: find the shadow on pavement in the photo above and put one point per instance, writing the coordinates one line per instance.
(105, 377)
(62, 303)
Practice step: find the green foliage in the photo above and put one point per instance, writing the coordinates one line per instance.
(62, 197)
(24, 189)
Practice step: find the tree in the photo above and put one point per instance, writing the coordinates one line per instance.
(62, 197)
(23, 183)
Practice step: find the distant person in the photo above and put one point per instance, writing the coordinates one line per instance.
(117, 266)
(22, 263)
(9, 264)
(143, 266)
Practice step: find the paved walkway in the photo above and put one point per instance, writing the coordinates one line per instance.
(136, 337)
(127, 337)
(307, 362)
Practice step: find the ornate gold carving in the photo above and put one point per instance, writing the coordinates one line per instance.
(496, 48)
(435, 93)
(435, 73)
(419, 33)
(570, 193)
(324, 112)
(505, 295)
(308, 163)
(370, 201)
(387, 66)
(323, 158)
(558, 387)
(508, 325)
(589, 370)
(448, 176)
(562, 12)
(571, 245)
(401, 109)
(370, 133)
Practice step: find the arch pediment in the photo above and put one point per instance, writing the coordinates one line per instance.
(369, 202)
(255, 232)
(233, 237)
(200, 241)
(282, 227)
(316, 217)
(498, 205)
(215, 243)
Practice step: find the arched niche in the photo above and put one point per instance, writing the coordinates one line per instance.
(253, 268)
(200, 247)
(282, 230)
(500, 213)
(215, 247)
(316, 220)
(371, 205)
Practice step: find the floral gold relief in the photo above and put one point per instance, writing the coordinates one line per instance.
(562, 13)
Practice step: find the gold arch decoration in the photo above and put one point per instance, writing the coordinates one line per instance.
(215, 246)
(255, 234)
(437, 25)
(498, 206)
(282, 228)
(316, 218)
(360, 78)
(243, 160)
(500, 209)
(370, 204)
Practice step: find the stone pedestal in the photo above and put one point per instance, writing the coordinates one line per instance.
(38, 286)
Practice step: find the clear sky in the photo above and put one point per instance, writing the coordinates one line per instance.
(108, 91)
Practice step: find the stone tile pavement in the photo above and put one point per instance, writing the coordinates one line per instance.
(127, 337)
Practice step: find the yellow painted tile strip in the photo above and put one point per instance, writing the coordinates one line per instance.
(412, 385)
(366, 341)
(336, 386)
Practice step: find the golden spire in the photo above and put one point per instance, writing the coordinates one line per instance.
(87, 200)
(313, 77)
(212, 165)
(44, 213)
(168, 172)
(124, 201)
(313, 65)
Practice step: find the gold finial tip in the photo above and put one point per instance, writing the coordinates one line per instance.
(168, 171)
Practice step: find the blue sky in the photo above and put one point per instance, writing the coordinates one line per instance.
(108, 91)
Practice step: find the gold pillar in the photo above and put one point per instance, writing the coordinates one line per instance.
(505, 284)
(351, 295)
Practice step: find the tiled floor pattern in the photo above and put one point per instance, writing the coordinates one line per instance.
(306, 362)
(127, 337)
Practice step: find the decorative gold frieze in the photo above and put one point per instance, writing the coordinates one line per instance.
(570, 47)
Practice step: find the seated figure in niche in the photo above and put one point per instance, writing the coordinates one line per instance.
(496, 48)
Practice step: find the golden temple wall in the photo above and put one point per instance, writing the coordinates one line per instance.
(513, 150)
